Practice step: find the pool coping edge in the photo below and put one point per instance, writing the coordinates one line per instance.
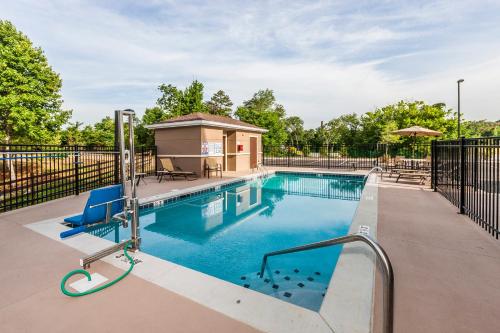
(348, 305)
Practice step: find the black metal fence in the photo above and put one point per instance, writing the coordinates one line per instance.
(31, 174)
(362, 156)
(467, 173)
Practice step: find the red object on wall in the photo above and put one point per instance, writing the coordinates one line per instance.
(240, 148)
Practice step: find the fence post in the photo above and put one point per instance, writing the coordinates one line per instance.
(475, 173)
(99, 172)
(155, 152)
(77, 165)
(328, 154)
(462, 175)
(117, 149)
(142, 159)
(433, 165)
(33, 189)
(288, 156)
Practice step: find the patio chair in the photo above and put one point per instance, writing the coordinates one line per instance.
(168, 169)
(102, 204)
(211, 165)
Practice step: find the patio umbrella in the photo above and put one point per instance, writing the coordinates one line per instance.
(415, 131)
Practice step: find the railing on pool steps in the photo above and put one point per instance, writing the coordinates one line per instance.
(376, 168)
(382, 258)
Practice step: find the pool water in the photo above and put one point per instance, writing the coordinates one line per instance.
(225, 233)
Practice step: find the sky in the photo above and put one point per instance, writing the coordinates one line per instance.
(322, 59)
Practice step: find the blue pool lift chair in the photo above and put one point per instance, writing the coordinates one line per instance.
(101, 206)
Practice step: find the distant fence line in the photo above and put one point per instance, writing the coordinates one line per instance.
(31, 174)
(467, 173)
(358, 156)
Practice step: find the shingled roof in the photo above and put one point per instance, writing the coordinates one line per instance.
(200, 118)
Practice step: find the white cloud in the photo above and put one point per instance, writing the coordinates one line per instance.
(322, 59)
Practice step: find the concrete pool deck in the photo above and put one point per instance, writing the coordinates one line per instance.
(445, 269)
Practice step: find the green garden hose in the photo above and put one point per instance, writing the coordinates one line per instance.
(87, 274)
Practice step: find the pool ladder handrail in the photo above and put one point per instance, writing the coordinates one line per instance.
(388, 296)
(261, 167)
(375, 168)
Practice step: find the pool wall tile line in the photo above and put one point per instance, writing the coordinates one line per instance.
(163, 199)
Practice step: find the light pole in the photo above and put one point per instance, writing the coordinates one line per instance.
(458, 83)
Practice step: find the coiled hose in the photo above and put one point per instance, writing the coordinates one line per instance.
(87, 274)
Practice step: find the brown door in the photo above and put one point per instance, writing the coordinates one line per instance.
(253, 152)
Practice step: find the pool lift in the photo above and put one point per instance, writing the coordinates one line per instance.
(130, 207)
(131, 202)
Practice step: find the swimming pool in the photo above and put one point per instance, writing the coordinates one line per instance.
(224, 232)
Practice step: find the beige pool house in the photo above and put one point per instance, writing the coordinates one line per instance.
(190, 139)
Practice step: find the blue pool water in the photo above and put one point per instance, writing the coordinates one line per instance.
(225, 233)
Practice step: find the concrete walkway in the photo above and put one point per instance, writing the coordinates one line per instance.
(447, 269)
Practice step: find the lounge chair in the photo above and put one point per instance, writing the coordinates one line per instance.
(102, 204)
(168, 169)
(211, 165)
(418, 175)
(396, 166)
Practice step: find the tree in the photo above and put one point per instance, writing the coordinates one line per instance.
(220, 104)
(480, 128)
(144, 136)
(192, 99)
(342, 130)
(100, 134)
(404, 114)
(263, 111)
(175, 102)
(387, 135)
(30, 100)
(295, 129)
(153, 115)
(170, 101)
(72, 135)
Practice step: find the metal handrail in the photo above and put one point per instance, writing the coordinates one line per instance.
(373, 170)
(108, 202)
(388, 295)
